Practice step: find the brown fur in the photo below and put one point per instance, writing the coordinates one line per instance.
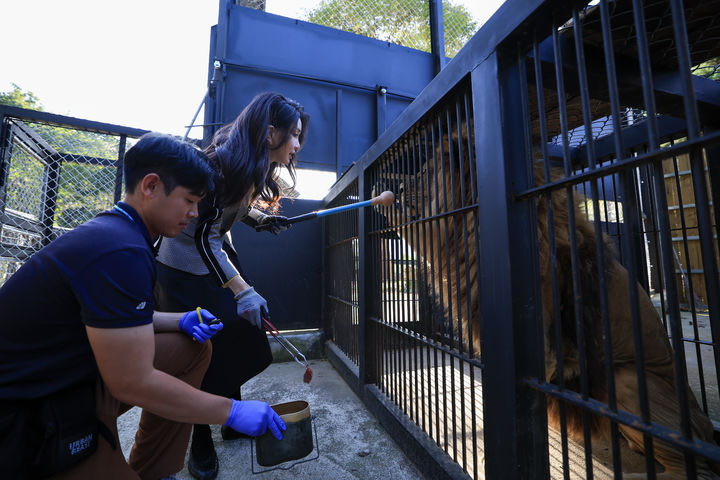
(448, 271)
(659, 365)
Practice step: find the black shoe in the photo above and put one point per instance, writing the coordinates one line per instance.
(203, 463)
(228, 433)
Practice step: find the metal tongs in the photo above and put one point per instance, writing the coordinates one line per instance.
(290, 348)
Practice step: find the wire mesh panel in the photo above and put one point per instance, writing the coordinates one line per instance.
(342, 281)
(626, 239)
(402, 22)
(54, 177)
(424, 314)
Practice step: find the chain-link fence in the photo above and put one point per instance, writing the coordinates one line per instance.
(53, 178)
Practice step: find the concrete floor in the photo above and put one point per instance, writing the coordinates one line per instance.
(352, 444)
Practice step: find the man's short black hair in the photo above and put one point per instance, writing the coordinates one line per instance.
(176, 162)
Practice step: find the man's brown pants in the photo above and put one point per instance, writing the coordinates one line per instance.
(160, 444)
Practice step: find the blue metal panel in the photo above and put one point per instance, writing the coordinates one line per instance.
(311, 64)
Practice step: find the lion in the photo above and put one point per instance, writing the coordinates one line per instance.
(448, 270)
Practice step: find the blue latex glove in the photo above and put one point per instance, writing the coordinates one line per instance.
(200, 324)
(253, 418)
(250, 305)
(273, 223)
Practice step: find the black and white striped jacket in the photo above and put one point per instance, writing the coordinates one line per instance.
(202, 247)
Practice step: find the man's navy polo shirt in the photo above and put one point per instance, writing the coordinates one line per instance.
(99, 274)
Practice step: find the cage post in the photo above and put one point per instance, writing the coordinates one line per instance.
(119, 169)
(513, 414)
(50, 194)
(366, 371)
(437, 34)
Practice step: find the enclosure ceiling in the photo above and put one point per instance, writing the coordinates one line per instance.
(703, 24)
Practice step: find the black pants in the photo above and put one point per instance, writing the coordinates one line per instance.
(240, 350)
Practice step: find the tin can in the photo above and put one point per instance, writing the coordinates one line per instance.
(297, 439)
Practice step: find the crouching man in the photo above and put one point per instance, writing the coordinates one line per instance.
(80, 342)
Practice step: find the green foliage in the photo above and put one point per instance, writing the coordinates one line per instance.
(404, 22)
(17, 98)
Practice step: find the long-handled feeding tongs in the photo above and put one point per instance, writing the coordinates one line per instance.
(290, 348)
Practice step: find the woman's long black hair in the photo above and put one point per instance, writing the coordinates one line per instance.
(241, 151)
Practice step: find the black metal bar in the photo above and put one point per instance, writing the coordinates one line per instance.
(467, 315)
(630, 162)
(574, 261)
(30, 140)
(420, 262)
(76, 123)
(437, 34)
(6, 147)
(712, 284)
(661, 432)
(690, 286)
(404, 360)
(377, 345)
(713, 165)
(430, 142)
(363, 279)
(418, 383)
(119, 166)
(50, 194)
(456, 312)
(441, 205)
(387, 313)
(434, 344)
(473, 313)
(618, 144)
(395, 295)
(513, 417)
(552, 253)
(324, 280)
(665, 243)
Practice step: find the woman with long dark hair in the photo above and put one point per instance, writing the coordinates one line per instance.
(199, 267)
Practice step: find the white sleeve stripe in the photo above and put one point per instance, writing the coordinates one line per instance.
(206, 251)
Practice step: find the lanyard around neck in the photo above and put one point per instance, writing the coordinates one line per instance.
(121, 210)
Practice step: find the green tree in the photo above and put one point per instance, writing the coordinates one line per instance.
(404, 22)
(17, 98)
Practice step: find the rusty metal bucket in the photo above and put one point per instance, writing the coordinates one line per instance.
(297, 441)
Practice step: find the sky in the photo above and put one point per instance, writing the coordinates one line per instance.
(136, 63)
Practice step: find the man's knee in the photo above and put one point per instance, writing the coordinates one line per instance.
(205, 353)
(181, 356)
(198, 356)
